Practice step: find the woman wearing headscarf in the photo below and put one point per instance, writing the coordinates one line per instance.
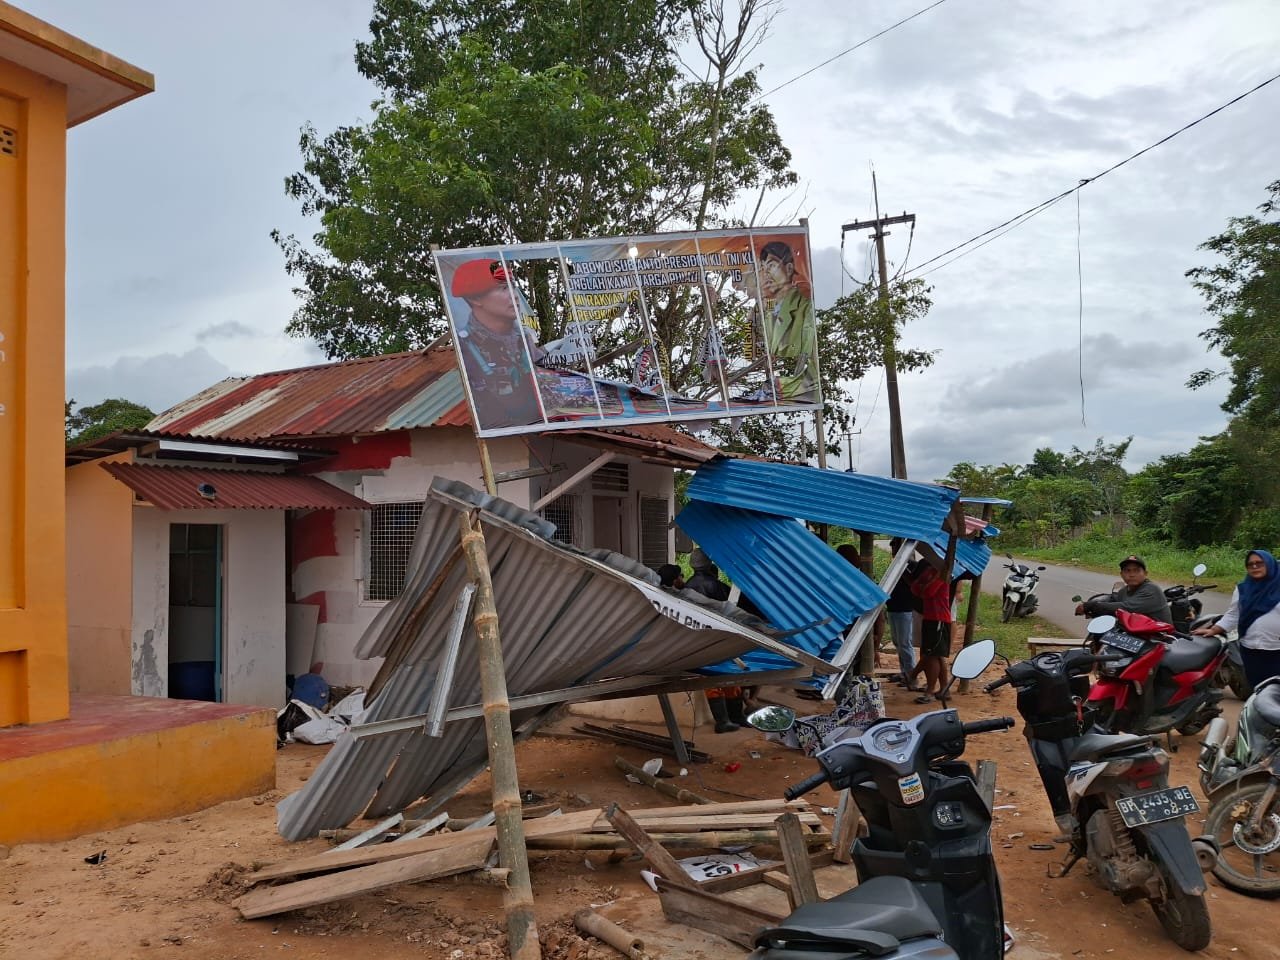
(1255, 610)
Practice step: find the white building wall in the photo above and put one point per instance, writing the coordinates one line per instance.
(253, 595)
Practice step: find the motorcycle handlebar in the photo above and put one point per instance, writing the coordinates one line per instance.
(995, 685)
(805, 785)
(987, 726)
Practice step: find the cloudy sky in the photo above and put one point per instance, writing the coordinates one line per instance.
(970, 114)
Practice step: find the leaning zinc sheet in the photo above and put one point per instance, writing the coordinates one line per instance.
(567, 618)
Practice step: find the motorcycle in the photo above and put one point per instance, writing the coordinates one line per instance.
(1018, 595)
(1184, 608)
(1157, 681)
(1240, 778)
(1111, 794)
(1230, 675)
(925, 869)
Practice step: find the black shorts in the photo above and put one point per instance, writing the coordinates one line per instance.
(935, 638)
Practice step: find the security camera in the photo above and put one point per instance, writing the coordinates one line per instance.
(207, 490)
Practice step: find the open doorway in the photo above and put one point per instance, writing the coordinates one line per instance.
(195, 611)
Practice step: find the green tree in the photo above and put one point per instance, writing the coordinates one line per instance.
(99, 419)
(1242, 291)
(503, 121)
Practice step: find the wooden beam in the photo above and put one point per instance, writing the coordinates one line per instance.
(573, 480)
(735, 922)
(795, 852)
(663, 864)
(748, 878)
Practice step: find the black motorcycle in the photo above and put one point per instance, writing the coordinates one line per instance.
(1184, 608)
(925, 869)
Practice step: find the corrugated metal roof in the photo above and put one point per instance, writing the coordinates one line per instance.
(994, 501)
(900, 508)
(567, 618)
(972, 556)
(791, 575)
(177, 488)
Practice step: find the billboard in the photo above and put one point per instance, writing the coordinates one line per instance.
(660, 328)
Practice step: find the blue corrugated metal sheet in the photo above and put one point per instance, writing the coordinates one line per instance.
(899, 508)
(994, 501)
(791, 575)
(972, 556)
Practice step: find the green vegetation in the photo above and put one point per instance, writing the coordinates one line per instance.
(99, 419)
(1011, 637)
(1166, 563)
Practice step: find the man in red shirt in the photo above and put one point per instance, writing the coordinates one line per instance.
(935, 634)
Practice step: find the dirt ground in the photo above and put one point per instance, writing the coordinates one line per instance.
(165, 887)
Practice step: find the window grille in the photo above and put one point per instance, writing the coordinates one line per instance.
(391, 529)
(613, 477)
(563, 512)
(655, 519)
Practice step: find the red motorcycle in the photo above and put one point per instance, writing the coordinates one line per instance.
(1162, 681)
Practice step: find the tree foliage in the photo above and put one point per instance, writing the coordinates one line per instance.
(99, 419)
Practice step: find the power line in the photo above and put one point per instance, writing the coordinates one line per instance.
(1025, 215)
(860, 43)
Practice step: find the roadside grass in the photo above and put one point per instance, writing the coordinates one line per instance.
(1165, 563)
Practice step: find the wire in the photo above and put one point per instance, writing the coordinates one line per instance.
(1025, 215)
(911, 238)
(860, 43)
(1080, 314)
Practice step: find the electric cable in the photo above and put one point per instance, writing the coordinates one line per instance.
(1021, 218)
(1080, 312)
(860, 43)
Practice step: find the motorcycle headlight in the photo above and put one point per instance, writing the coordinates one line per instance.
(1114, 668)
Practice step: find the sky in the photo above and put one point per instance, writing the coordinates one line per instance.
(969, 114)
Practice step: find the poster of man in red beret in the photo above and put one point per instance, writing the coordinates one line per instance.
(662, 328)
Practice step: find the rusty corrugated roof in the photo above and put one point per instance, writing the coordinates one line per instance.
(398, 391)
(178, 488)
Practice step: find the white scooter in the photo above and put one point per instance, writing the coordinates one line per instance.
(1019, 592)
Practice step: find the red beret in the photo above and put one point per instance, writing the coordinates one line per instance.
(478, 276)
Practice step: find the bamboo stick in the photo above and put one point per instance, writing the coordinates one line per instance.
(522, 927)
(606, 931)
(688, 796)
(706, 840)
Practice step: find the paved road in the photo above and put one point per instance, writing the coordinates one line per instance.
(1059, 584)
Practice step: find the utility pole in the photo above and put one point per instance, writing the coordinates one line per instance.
(897, 450)
(847, 436)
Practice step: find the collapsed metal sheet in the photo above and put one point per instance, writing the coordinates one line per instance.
(566, 617)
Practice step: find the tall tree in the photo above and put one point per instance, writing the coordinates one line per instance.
(502, 121)
(99, 419)
(1242, 290)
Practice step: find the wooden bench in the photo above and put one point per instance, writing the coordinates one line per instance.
(1045, 644)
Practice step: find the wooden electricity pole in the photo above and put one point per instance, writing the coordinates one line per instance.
(897, 451)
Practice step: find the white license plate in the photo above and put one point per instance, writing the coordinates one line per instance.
(1156, 806)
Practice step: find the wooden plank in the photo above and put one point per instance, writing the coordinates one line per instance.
(779, 880)
(747, 878)
(703, 840)
(848, 818)
(373, 833)
(266, 901)
(329, 861)
(986, 782)
(728, 821)
(663, 864)
(804, 889)
(735, 922)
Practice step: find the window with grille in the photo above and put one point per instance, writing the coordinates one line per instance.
(614, 477)
(655, 520)
(390, 529)
(563, 512)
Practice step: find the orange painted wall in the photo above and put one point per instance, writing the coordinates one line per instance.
(99, 568)
(33, 637)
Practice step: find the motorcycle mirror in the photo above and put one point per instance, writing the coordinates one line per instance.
(772, 719)
(1042, 568)
(1009, 555)
(1077, 598)
(973, 659)
(1102, 624)
(1198, 570)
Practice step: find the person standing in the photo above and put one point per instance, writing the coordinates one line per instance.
(1255, 610)
(935, 634)
(726, 703)
(900, 611)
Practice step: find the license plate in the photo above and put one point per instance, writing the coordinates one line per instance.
(1156, 806)
(1124, 641)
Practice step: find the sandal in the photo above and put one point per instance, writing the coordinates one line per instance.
(926, 698)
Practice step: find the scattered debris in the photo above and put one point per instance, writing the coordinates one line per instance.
(606, 931)
(97, 858)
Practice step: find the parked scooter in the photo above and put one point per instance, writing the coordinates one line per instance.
(1230, 675)
(1184, 608)
(1241, 777)
(925, 870)
(1018, 596)
(1111, 795)
(1157, 681)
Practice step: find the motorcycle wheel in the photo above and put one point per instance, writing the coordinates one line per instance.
(1184, 916)
(1006, 612)
(1256, 874)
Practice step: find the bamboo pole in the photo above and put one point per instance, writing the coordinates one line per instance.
(606, 931)
(688, 796)
(702, 840)
(522, 927)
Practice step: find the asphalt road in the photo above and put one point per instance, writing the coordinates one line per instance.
(1059, 584)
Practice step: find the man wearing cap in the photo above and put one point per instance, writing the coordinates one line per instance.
(493, 344)
(1139, 595)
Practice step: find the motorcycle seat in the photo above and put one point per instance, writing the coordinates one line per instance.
(1094, 746)
(875, 916)
(1266, 700)
(1190, 653)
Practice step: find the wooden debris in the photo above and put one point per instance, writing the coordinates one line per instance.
(468, 855)
(606, 931)
(629, 737)
(663, 864)
(695, 908)
(747, 878)
(802, 888)
(986, 782)
(700, 840)
(376, 832)
(670, 789)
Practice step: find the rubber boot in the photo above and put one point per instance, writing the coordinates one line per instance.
(720, 711)
(737, 711)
